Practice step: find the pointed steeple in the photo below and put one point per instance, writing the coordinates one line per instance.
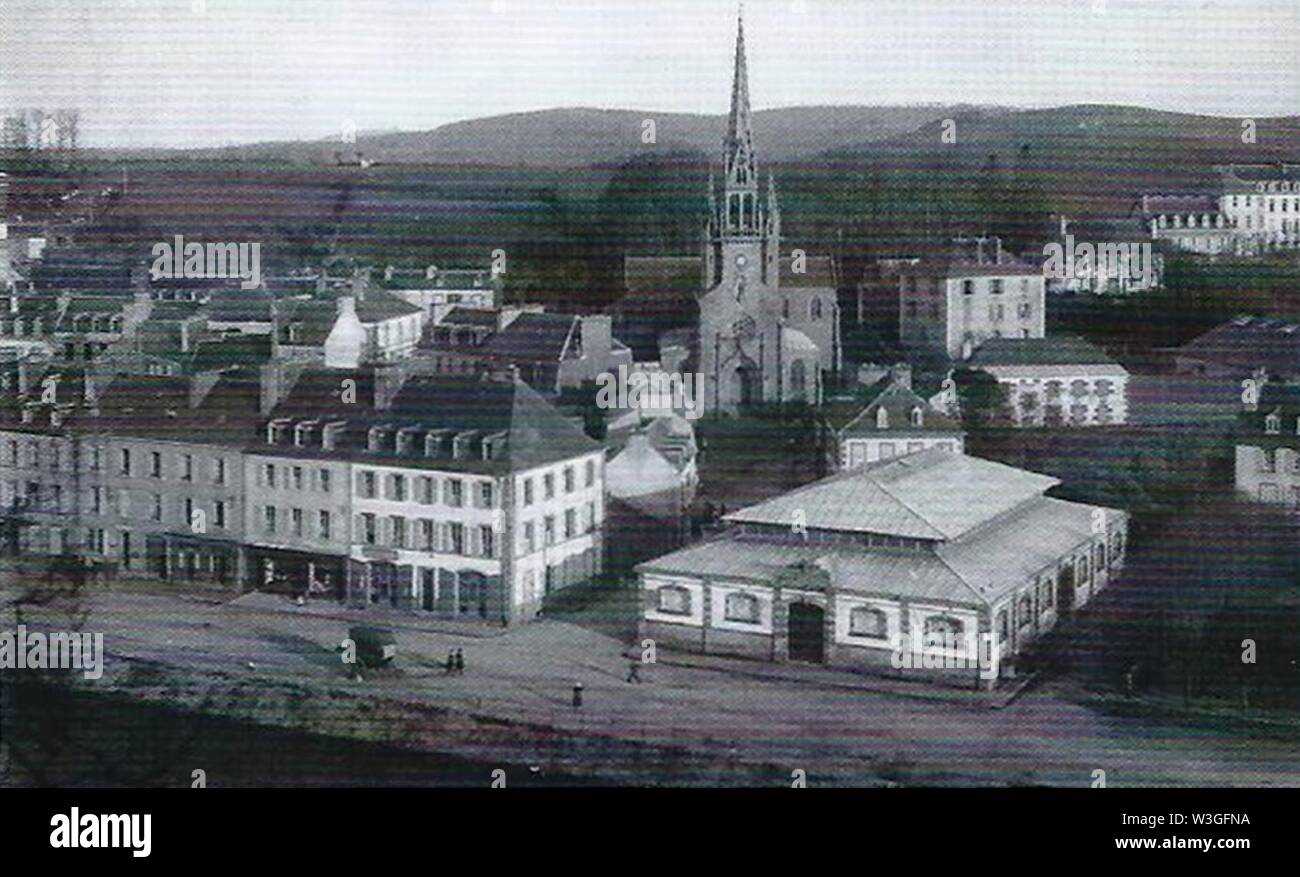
(739, 131)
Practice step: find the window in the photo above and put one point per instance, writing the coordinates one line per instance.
(869, 622)
(295, 520)
(570, 524)
(1026, 610)
(1004, 626)
(397, 526)
(126, 461)
(426, 535)
(219, 465)
(155, 465)
(157, 507)
(943, 626)
(882, 418)
(455, 492)
(968, 287)
(367, 485)
(323, 524)
(1047, 599)
(397, 488)
(96, 459)
(325, 481)
(590, 473)
(743, 608)
(426, 488)
(297, 478)
(674, 600)
(268, 519)
(995, 286)
(530, 538)
(487, 541)
(548, 486)
(568, 479)
(187, 467)
(368, 528)
(485, 496)
(269, 474)
(528, 491)
(815, 309)
(457, 534)
(916, 416)
(1272, 424)
(548, 528)
(219, 513)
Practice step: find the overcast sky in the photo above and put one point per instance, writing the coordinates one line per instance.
(156, 72)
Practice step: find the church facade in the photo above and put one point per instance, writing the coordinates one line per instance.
(766, 327)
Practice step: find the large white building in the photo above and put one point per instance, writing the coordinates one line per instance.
(930, 544)
(1057, 381)
(1255, 209)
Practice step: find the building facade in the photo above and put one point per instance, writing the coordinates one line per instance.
(1057, 381)
(930, 554)
(954, 305)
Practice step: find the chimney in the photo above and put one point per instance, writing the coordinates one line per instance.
(597, 337)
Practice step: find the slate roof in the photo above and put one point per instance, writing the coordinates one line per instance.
(535, 432)
(1249, 343)
(532, 338)
(899, 402)
(978, 568)
(1062, 350)
(932, 494)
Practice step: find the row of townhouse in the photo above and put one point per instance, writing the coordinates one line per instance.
(459, 498)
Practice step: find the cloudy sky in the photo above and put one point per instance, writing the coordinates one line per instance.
(199, 72)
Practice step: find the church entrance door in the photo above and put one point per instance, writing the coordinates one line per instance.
(743, 386)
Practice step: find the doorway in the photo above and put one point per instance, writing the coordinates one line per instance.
(807, 632)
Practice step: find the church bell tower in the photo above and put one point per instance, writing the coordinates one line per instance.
(742, 237)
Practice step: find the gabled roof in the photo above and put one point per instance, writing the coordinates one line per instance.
(899, 402)
(1248, 343)
(533, 338)
(932, 494)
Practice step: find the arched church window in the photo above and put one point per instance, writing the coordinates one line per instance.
(742, 608)
(798, 378)
(916, 416)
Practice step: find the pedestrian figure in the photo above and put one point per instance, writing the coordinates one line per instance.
(460, 663)
(577, 695)
(634, 672)
(451, 663)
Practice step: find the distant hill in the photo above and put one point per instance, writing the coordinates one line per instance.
(1101, 155)
(580, 137)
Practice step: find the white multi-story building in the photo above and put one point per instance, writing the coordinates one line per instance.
(1256, 209)
(954, 305)
(1062, 380)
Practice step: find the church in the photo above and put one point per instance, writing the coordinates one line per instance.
(759, 324)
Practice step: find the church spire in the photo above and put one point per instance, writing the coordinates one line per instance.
(740, 213)
(739, 133)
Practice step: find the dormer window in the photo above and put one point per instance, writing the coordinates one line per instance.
(1273, 424)
(916, 416)
(882, 419)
